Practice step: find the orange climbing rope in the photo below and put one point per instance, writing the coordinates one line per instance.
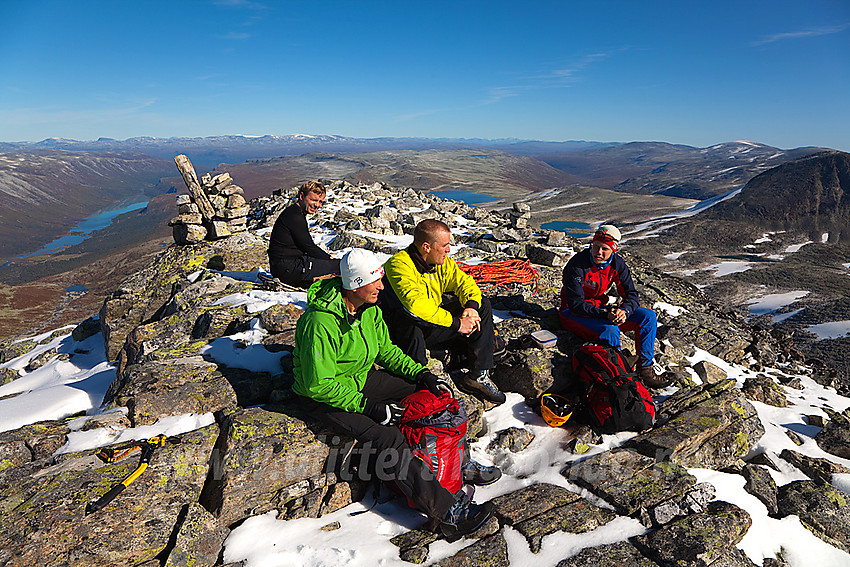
(497, 274)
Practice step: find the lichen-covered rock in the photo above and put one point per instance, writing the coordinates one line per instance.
(474, 413)
(41, 359)
(490, 551)
(43, 520)
(824, 510)
(8, 375)
(35, 442)
(86, 329)
(763, 389)
(819, 470)
(513, 439)
(218, 322)
(611, 555)
(760, 484)
(695, 500)
(160, 340)
(203, 292)
(113, 420)
(629, 481)
(710, 426)
(280, 318)
(577, 517)
(261, 452)
(513, 329)
(13, 452)
(164, 388)
(835, 436)
(547, 256)
(415, 543)
(143, 295)
(709, 373)
(698, 540)
(14, 347)
(199, 539)
(531, 372)
(256, 388)
(531, 501)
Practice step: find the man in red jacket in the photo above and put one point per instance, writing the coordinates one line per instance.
(585, 309)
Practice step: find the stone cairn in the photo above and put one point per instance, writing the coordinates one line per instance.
(214, 208)
(520, 214)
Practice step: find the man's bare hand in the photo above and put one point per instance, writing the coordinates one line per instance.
(470, 321)
(471, 313)
(617, 316)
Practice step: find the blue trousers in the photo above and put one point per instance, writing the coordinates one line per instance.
(643, 322)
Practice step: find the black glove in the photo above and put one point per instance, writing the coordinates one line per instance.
(429, 381)
(384, 413)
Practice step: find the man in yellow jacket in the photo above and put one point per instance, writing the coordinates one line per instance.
(420, 315)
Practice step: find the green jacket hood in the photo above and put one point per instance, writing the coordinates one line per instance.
(326, 295)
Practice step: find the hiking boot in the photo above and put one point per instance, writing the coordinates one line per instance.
(653, 376)
(465, 517)
(269, 283)
(479, 384)
(478, 474)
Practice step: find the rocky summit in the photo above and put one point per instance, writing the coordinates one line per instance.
(256, 451)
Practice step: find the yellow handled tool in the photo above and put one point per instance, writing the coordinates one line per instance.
(147, 451)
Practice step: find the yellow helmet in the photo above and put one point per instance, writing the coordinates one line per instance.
(556, 410)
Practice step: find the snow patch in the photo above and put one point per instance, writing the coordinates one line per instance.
(731, 267)
(833, 330)
(774, 301)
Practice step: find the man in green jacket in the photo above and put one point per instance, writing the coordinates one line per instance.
(420, 315)
(337, 341)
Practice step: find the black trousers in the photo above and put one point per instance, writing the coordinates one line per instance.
(300, 270)
(414, 335)
(393, 459)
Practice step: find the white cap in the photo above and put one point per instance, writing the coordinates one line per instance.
(611, 231)
(360, 267)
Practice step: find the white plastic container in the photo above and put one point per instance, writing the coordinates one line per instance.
(544, 339)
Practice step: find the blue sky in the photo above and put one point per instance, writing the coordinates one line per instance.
(775, 72)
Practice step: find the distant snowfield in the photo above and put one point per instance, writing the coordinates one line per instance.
(659, 224)
(834, 330)
(773, 302)
(731, 267)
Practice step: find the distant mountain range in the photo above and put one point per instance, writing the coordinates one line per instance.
(636, 167)
(212, 150)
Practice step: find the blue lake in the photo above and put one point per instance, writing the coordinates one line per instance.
(572, 228)
(83, 230)
(466, 196)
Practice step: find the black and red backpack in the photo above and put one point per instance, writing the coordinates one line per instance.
(435, 429)
(616, 400)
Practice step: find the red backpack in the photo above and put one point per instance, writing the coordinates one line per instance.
(435, 428)
(616, 399)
